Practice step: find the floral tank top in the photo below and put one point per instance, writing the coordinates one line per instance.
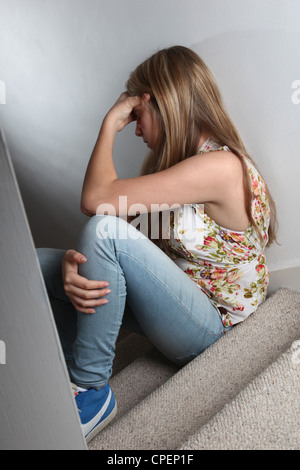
(229, 266)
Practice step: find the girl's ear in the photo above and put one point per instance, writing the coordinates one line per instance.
(146, 97)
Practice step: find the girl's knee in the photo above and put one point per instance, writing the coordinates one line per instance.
(108, 227)
(101, 228)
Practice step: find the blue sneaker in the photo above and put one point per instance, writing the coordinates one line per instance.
(96, 409)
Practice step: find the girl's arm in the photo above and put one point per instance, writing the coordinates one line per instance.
(101, 172)
(211, 178)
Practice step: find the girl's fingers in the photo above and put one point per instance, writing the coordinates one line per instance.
(87, 294)
(87, 306)
(73, 256)
(74, 279)
(84, 283)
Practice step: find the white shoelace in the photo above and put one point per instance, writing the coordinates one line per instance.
(76, 390)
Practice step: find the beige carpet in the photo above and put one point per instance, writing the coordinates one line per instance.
(264, 416)
(162, 407)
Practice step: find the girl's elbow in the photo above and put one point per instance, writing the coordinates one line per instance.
(87, 208)
(87, 212)
(91, 208)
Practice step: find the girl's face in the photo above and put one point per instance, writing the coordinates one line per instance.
(144, 121)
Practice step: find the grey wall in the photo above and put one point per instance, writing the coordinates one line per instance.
(37, 410)
(64, 63)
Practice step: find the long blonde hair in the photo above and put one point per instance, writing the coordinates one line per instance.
(186, 103)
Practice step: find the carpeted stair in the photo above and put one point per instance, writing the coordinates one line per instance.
(242, 393)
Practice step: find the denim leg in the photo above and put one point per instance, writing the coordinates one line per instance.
(170, 308)
(63, 311)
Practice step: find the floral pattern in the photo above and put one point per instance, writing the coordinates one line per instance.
(229, 266)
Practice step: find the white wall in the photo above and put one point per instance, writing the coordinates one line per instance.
(64, 62)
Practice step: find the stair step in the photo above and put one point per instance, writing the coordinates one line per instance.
(263, 416)
(140, 379)
(128, 348)
(164, 415)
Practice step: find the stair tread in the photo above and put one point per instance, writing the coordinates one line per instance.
(190, 397)
(264, 415)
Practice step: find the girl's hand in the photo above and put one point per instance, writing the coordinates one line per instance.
(121, 114)
(84, 294)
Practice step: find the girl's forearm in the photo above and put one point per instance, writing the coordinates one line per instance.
(101, 170)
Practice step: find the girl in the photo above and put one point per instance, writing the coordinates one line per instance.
(187, 286)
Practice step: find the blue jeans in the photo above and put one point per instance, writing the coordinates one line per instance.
(149, 295)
